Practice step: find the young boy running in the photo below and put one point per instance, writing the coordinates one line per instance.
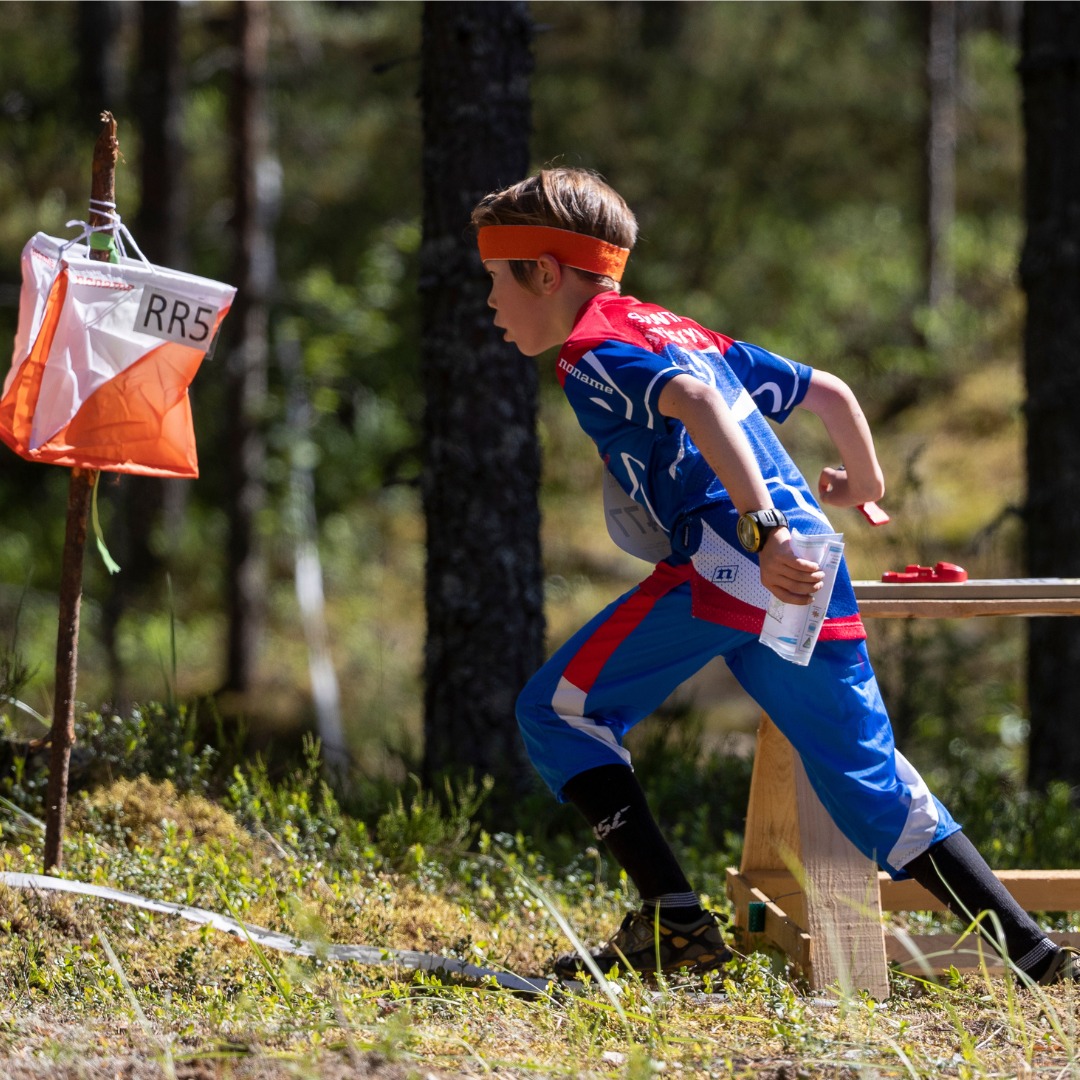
(678, 414)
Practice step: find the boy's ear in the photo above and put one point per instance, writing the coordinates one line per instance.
(549, 274)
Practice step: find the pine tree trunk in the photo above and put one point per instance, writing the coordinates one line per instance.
(99, 45)
(481, 475)
(942, 77)
(248, 359)
(140, 501)
(160, 231)
(1050, 269)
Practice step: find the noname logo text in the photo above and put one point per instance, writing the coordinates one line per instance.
(580, 375)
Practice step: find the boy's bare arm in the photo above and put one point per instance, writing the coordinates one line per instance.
(717, 434)
(861, 479)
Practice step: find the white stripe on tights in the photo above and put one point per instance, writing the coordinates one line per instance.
(922, 816)
(569, 704)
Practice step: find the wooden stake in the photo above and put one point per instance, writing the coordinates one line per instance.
(80, 489)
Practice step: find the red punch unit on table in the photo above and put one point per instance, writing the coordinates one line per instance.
(943, 571)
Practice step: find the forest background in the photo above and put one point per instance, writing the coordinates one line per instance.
(777, 158)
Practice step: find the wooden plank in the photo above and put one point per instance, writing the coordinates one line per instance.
(781, 930)
(967, 599)
(778, 884)
(1034, 890)
(976, 589)
(964, 609)
(787, 829)
(918, 953)
(743, 891)
(771, 836)
(843, 906)
(740, 891)
(788, 936)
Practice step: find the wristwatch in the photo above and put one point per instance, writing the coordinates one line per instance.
(754, 527)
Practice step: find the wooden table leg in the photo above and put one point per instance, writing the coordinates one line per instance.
(813, 876)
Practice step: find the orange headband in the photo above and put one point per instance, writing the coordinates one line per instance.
(529, 242)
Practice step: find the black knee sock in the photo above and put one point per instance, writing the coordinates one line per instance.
(614, 805)
(959, 877)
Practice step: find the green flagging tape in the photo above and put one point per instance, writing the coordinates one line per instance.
(105, 241)
(110, 563)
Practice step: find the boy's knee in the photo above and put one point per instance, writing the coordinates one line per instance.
(538, 720)
(526, 709)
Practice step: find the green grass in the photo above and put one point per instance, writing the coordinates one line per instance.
(85, 984)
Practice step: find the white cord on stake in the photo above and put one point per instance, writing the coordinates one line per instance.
(115, 225)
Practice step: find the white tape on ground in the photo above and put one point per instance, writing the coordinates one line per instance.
(271, 939)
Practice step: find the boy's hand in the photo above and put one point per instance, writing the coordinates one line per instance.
(836, 488)
(784, 574)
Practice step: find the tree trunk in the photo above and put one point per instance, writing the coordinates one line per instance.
(160, 85)
(941, 82)
(246, 368)
(481, 474)
(99, 41)
(1050, 270)
(160, 231)
(140, 501)
(303, 524)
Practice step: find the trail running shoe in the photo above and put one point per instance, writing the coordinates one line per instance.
(1065, 967)
(696, 948)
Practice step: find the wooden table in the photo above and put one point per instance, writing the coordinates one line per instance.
(802, 886)
(967, 599)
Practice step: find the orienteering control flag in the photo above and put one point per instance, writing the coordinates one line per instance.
(104, 354)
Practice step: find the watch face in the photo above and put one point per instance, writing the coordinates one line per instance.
(749, 534)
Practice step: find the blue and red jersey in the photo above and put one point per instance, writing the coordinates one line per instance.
(618, 358)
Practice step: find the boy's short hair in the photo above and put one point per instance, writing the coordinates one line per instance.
(579, 200)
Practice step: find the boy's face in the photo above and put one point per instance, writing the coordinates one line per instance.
(529, 319)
